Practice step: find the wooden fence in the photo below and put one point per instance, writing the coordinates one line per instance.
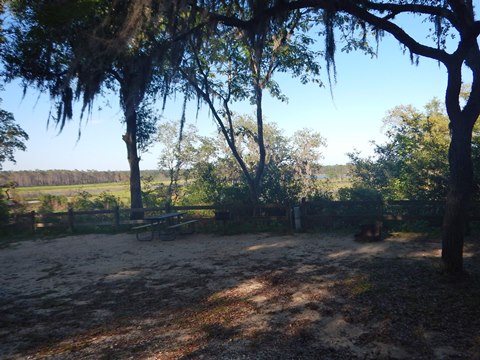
(305, 216)
(118, 218)
(331, 214)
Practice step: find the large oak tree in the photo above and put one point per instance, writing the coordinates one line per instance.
(454, 30)
(77, 50)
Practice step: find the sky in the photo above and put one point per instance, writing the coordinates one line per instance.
(349, 117)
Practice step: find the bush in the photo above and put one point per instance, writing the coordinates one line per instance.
(4, 212)
(52, 203)
(359, 193)
(107, 201)
(85, 201)
(154, 194)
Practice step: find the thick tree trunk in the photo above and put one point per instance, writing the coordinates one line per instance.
(130, 139)
(459, 194)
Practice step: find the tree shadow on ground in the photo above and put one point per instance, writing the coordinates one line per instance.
(267, 301)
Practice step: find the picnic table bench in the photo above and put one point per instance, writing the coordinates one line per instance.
(166, 225)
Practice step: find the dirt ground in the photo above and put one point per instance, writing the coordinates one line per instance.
(254, 296)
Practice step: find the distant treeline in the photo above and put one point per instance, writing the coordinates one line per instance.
(82, 177)
(69, 177)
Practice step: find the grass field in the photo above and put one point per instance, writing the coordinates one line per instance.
(32, 193)
(120, 190)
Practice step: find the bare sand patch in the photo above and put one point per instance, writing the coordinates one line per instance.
(203, 296)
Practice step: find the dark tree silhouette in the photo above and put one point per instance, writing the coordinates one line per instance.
(76, 50)
(453, 23)
(447, 17)
(12, 137)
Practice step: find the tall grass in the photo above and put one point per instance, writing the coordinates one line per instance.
(35, 193)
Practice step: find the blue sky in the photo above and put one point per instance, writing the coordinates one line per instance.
(366, 89)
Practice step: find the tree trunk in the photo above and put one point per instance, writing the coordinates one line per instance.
(459, 194)
(255, 190)
(130, 139)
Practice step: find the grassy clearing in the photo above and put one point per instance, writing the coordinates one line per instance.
(32, 193)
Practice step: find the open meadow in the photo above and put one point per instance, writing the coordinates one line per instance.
(34, 193)
(253, 296)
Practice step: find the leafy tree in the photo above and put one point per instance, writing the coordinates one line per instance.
(285, 177)
(107, 201)
(236, 62)
(86, 201)
(413, 163)
(179, 152)
(78, 49)
(453, 43)
(306, 145)
(207, 184)
(359, 193)
(12, 137)
(51, 203)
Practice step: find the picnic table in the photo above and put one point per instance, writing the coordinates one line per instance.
(165, 224)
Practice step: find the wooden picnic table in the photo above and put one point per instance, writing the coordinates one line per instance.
(165, 224)
(165, 218)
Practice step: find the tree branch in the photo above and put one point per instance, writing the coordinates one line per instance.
(395, 30)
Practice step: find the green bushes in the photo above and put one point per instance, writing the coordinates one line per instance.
(83, 201)
(4, 213)
(52, 203)
(104, 201)
(359, 193)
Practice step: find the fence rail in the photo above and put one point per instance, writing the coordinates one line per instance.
(117, 217)
(344, 213)
(309, 215)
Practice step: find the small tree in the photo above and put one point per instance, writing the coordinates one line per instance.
(179, 153)
(12, 137)
(306, 145)
(77, 50)
(236, 62)
(413, 163)
(289, 166)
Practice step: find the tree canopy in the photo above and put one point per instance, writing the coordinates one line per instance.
(209, 172)
(413, 163)
(229, 51)
(79, 49)
(12, 137)
(236, 61)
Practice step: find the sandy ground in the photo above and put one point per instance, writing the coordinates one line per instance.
(205, 296)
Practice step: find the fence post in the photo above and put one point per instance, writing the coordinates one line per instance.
(116, 217)
(32, 221)
(289, 215)
(303, 215)
(71, 220)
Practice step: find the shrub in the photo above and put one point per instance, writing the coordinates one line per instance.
(359, 193)
(4, 212)
(52, 203)
(86, 201)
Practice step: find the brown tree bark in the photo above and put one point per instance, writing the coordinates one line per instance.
(462, 120)
(458, 197)
(135, 183)
(130, 138)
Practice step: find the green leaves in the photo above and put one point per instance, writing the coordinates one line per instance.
(12, 137)
(413, 163)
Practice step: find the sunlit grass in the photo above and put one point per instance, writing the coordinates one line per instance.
(31, 193)
(68, 189)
